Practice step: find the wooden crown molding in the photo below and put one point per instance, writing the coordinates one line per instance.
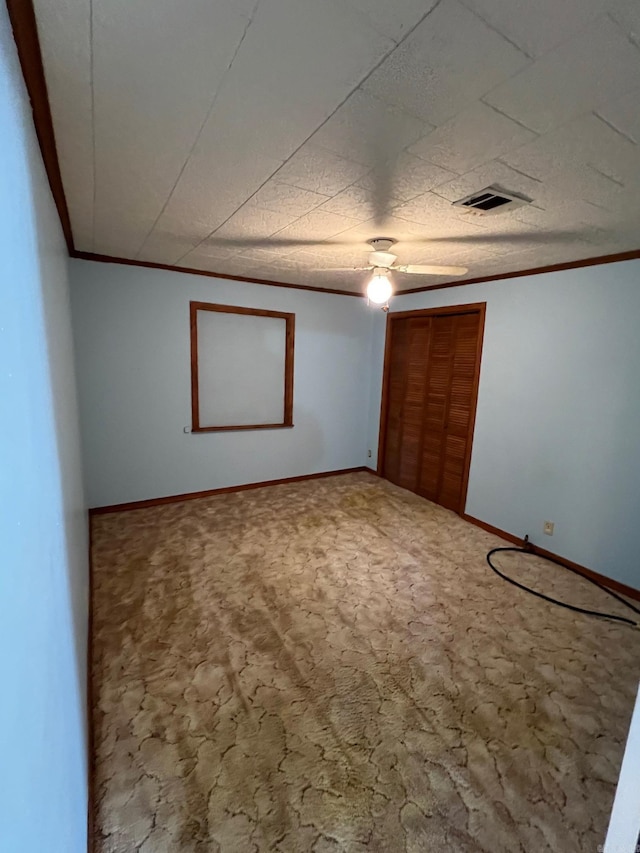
(109, 259)
(25, 34)
(569, 265)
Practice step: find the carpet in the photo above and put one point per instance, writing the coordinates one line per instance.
(330, 665)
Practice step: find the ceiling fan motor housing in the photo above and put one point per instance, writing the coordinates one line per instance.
(381, 244)
(381, 256)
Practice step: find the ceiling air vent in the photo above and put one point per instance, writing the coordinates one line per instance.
(491, 200)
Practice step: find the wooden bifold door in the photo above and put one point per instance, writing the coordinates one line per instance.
(432, 366)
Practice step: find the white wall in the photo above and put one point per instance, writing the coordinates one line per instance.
(558, 410)
(132, 340)
(557, 433)
(624, 827)
(43, 525)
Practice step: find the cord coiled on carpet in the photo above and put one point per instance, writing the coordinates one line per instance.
(562, 603)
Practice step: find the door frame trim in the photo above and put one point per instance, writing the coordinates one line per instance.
(447, 310)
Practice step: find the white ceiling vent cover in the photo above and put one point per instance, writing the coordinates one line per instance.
(491, 200)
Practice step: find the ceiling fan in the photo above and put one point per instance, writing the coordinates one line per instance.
(383, 262)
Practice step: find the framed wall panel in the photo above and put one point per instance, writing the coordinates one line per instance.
(241, 368)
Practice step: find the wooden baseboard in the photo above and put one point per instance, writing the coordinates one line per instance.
(615, 585)
(191, 496)
(495, 530)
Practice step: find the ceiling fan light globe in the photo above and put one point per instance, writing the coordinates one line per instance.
(379, 289)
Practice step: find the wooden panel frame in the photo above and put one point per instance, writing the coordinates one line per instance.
(448, 310)
(290, 320)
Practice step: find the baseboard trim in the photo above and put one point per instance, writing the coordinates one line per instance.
(192, 496)
(615, 585)
(495, 530)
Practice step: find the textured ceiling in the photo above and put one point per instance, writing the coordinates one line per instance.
(273, 138)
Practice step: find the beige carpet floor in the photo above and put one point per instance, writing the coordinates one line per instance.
(331, 666)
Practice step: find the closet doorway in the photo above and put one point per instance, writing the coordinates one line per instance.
(429, 394)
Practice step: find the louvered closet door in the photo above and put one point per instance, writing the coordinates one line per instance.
(449, 408)
(431, 400)
(436, 405)
(396, 383)
(407, 372)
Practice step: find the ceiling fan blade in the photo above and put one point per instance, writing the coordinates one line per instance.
(430, 269)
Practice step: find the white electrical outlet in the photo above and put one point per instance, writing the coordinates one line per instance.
(548, 528)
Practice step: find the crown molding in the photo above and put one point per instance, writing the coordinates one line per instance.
(109, 259)
(569, 265)
(25, 35)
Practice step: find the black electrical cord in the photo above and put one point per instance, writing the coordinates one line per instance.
(562, 603)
